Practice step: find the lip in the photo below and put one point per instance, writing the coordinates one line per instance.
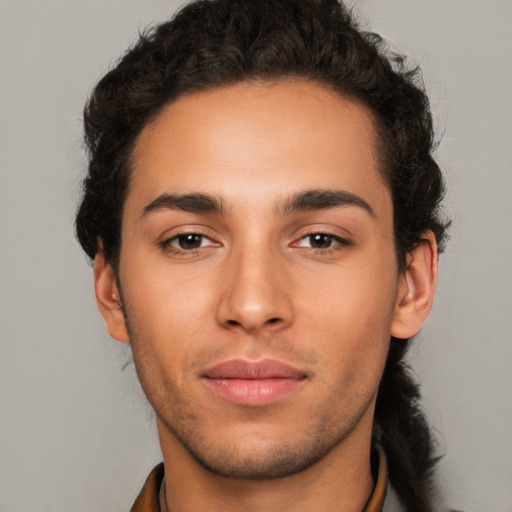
(253, 383)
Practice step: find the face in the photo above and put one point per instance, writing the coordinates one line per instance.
(258, 275)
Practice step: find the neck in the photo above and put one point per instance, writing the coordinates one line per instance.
(342, 480)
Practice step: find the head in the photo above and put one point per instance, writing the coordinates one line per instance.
(308, 62)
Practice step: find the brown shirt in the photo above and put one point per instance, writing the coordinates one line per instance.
(148, 499)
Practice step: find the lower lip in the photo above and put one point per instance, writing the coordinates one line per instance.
(253, 392)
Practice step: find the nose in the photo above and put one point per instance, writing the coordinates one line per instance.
(255, 293)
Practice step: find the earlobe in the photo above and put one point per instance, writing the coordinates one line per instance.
(108, 298)
(416, 288)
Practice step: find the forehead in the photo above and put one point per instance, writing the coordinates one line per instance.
(258, 139)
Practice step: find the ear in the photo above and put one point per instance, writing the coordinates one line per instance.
(416, 288)
(108, 298)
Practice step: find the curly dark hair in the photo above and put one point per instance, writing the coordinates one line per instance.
(214, 43)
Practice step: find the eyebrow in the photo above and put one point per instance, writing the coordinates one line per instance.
(324, 199)
(200, 203)
(303, 201)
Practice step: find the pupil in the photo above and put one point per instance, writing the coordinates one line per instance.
(189, 241)
(320, 241)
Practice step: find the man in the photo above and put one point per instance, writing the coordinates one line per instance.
(262, 211)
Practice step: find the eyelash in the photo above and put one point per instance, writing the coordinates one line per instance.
(338, 243)
(167, 246)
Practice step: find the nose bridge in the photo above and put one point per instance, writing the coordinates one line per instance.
(253, 297)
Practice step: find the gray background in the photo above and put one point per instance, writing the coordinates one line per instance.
(75, 432)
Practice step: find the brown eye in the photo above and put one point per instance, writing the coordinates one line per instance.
(188, 241)
(320, 241)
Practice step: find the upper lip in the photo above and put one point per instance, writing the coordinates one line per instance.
(253, 370)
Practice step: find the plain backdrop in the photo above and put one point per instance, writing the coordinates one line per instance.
(75, 432)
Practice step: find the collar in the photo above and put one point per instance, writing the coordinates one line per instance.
(376, 500)
(148, 499)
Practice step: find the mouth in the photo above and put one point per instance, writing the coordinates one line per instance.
(253, 383)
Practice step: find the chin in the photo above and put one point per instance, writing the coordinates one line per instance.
(267, 459)
(275, 463)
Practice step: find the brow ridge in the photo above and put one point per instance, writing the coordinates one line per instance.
(317, 199)
(196, 202)
(323, 199)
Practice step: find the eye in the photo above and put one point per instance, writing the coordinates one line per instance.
(187, 242)
(322, 241)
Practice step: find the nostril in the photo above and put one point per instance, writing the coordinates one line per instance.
(273, 321)
(233, 323)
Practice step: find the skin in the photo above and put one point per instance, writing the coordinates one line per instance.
(257, 285)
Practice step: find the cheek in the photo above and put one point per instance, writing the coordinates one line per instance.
(358, 298)
(168, 310)
(349, 310)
